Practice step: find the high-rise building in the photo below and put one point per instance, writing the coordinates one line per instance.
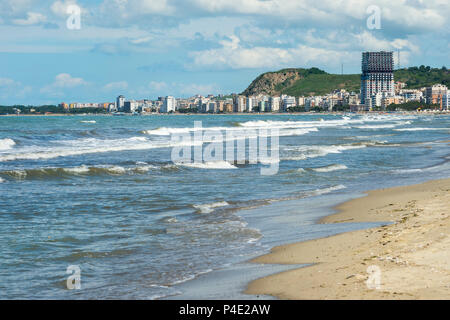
(169, 104)
(274, 104)
(239, 103)
(250, 104)
(120, 102)
(377, 75)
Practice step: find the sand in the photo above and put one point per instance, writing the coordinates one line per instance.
(406, 259)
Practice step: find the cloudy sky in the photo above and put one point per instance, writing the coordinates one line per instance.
(149, 48)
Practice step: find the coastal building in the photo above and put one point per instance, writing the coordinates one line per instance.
(239, 103)
(446, 101)
(211, 107)
(120, 103)
(353, 99)
(435, 93)
(274, 104)
(262, 106)
(399, 86)
(228, 107)
(130, 106)
(411, 95)
(112, 107)
(250, 104)
(169, 104)
(301, 101)
(377, 75)
(288, 102)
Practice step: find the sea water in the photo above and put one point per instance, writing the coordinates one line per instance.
(102, 193)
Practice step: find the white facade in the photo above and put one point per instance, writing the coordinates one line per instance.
(274, 104)
(288, 102)
(411, 95)
(169, 104)
(250, 104)
(446, 101)
(120, 103)
(131, 106)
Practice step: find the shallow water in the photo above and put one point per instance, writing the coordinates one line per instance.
(106, 196)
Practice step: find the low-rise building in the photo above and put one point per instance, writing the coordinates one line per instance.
(435, 93)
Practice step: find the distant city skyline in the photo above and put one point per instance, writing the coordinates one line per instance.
(145, 49)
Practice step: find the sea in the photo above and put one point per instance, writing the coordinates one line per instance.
(98, 201)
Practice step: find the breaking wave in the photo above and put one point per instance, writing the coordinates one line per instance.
(319, 192)
(6, 143)
(305, 152)
(333, 167)
(207, 165)
(209, 207)
(421, 129)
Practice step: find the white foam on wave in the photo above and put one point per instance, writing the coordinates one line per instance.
(333, 167)
(319, 192)
(116, 170)
(442, 167)
(207, 165)
(1, 180)
(77, 170)
(271, 124)
(167, 131)
(88, 121)
(6, 143)
(66, 148)
(249, 132)
(209, 207)
(314, 151)
(422, 129)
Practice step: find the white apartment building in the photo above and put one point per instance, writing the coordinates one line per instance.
(120, 103)
(169, 105)
(250, 104)
(274, 104)
(288, 102)
(411, 95)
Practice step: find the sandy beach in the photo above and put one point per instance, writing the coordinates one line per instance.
(408, 258)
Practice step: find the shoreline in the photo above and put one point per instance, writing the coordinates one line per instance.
(410, 252)
(427, 113)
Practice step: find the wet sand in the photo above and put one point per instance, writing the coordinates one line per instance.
(408, 258)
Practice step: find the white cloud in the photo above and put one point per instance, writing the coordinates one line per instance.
(62, 81)
(5, 82)
(162, 88)
(59, 8)
(65, 80)
(32, 19)
(234, 56)
(158, 86)
(120, 85)
(10, 88)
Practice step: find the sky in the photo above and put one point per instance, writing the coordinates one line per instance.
(150, 48)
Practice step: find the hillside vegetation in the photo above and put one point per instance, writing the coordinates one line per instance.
(313, 81)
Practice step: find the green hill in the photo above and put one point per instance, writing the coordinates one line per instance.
(313, 81)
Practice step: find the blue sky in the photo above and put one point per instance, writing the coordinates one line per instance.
(150, 48)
